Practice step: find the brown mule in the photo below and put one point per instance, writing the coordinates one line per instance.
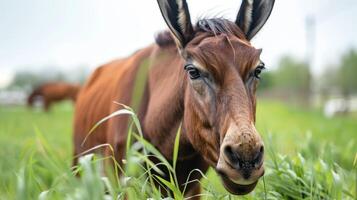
(53, 92)
(202, 76)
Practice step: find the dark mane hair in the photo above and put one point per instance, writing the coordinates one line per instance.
(214, 26)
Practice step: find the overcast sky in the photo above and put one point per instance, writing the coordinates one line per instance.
(72, 33)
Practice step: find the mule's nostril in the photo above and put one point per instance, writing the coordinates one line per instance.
(259, 157)
(261, 150)
(232, 157)
(230, 154)
(228, 150)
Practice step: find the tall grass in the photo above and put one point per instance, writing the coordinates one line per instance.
(308, 177)
(44, 174)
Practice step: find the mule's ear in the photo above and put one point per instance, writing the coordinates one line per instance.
(177, 17)
(252, 16)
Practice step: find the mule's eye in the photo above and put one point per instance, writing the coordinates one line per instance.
(259, 70)
(192, 71)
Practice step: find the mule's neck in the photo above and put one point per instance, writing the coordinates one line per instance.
(165, 107)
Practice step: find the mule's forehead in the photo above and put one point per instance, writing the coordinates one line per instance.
(216, 53)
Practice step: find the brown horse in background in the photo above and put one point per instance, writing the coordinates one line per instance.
(203, 77)
(52, 93)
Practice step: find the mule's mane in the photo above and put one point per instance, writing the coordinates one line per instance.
(214, 26)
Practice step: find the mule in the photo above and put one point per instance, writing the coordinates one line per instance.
(202, 77)
(53, 92)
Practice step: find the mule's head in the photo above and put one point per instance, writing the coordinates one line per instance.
(223, 70)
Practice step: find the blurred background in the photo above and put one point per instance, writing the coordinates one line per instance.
(307, 98)
(308, 46)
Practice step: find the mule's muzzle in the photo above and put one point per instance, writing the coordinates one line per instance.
(240, 166)
(241, 156)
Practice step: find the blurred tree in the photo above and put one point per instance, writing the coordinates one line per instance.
(327, 83)
(340, 79)
(329, 78)
(346, 76)
(266, 81)
(293, 79)
(290, 82)
(292, 75)
(25, 80)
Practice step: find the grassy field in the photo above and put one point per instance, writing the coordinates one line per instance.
(309, 157)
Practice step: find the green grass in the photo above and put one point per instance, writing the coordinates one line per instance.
(296, 129)
(18, 140)
(308, 157)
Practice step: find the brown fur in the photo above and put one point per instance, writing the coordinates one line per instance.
(54, 92)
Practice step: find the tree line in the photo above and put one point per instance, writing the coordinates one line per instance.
(292, 79)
